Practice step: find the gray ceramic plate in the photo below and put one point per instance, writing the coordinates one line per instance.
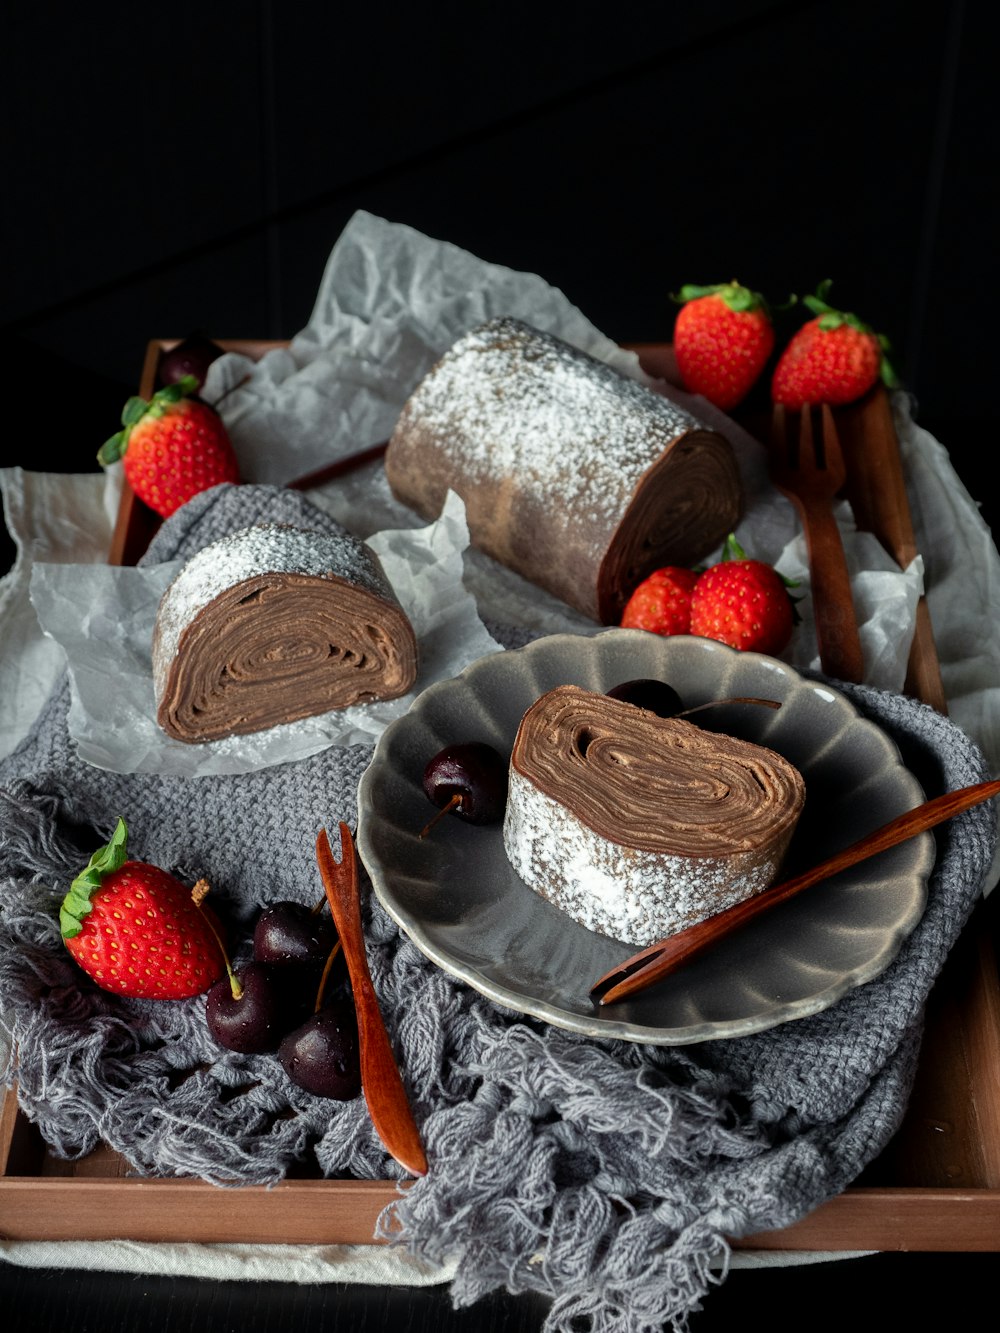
(457, 898)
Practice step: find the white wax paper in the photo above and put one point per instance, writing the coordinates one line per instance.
(49, 517)
(103, 617)
(390, 302)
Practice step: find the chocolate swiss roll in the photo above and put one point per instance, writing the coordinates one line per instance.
(273, 624)
(636, 825)
(573, 475)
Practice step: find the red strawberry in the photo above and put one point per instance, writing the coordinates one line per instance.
(723, 337)
(661, 603)
(834, 359)
(135, 929)
(172, 447)
(743, 602)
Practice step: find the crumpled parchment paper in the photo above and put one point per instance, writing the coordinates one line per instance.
(391, 300)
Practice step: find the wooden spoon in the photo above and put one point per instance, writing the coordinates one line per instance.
(658, 960)
(381, 1082)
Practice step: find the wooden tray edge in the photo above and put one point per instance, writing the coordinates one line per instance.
(319, 1212)
(36, 1207)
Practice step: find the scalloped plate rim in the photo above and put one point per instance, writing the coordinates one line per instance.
(603, 1023)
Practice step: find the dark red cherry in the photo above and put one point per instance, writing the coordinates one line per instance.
(287, 932)
(469, 780)
(656, 696)
(193, 356)
(247, 1012)
(322, 1055)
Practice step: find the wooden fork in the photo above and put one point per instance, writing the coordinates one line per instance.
(381, 1081)
(807, 465)
(661, 959)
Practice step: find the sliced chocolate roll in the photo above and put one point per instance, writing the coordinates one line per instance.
(637, 825)
(272, 624)
(573, 475)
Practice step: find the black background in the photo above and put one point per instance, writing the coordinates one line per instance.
(181, 168)
(178, 167)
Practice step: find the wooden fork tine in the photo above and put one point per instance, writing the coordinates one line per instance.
(800, 474)
(807, 444)
(779, 430)
(628, 976)
(833, 455)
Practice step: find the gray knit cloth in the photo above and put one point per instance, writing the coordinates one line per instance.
(606, 1174)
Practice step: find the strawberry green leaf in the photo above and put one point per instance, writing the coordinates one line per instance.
(166, 398)
(734, 551)
(829, 318)
(736, 296)
(111, 450)
(104, 862)
(173, 393)
(886, 372)
(133, 411)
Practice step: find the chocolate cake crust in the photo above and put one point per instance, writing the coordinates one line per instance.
(273, 624)
(573, 475)
(637, 825)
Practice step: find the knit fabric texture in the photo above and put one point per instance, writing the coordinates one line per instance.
(608, 1175)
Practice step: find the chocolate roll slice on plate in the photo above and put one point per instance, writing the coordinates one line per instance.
(273, 624)
(573, 475)
(636, 825)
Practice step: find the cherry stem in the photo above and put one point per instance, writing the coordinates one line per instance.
(453, 804)
(737, 699)
(199, 893)
(232, 389)
(327, 967)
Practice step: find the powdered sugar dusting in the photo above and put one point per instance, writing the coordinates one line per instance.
(623, 892)
(513, 401)
(262, 548)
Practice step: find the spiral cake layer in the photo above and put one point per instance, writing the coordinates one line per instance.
(573, 475)
(637, 826)
(273, 624)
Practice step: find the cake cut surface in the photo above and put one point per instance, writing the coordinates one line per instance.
(637, 826)
(273, 624)
(575, 476)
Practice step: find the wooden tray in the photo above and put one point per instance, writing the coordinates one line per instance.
(936, 1187)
